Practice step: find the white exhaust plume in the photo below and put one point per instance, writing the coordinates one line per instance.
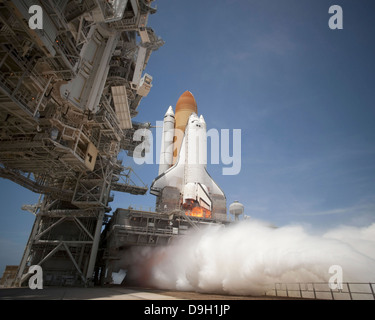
(250, 257)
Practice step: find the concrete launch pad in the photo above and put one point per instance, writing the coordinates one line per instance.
(115, 293)
(65, 293)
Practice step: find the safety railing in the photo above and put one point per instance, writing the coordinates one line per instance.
(322, 290)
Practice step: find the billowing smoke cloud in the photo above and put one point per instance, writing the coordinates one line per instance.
(250, 257)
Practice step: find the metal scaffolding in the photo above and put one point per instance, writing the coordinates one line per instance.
(60, 134)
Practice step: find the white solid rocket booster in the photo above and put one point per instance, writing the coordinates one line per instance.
(166, 152)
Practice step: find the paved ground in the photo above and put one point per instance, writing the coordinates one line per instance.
(112, 293)
(65, 293)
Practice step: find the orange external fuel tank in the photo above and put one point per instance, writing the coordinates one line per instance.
(185, 106)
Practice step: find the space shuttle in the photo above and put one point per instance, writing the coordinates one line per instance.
(183, 182)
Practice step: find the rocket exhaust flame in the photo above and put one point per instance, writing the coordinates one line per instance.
(200, 212)
(193, 209)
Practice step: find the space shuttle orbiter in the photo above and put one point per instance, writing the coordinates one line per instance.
(183, 181)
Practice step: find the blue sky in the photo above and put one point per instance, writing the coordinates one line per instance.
(302, 94)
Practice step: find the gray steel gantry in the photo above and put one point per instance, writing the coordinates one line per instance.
(68, 92)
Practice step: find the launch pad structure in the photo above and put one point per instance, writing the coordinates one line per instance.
(68, 93)
(129, 228)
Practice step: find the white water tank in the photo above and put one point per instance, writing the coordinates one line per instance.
(236, 209)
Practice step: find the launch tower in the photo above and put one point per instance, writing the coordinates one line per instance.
(68, 93)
